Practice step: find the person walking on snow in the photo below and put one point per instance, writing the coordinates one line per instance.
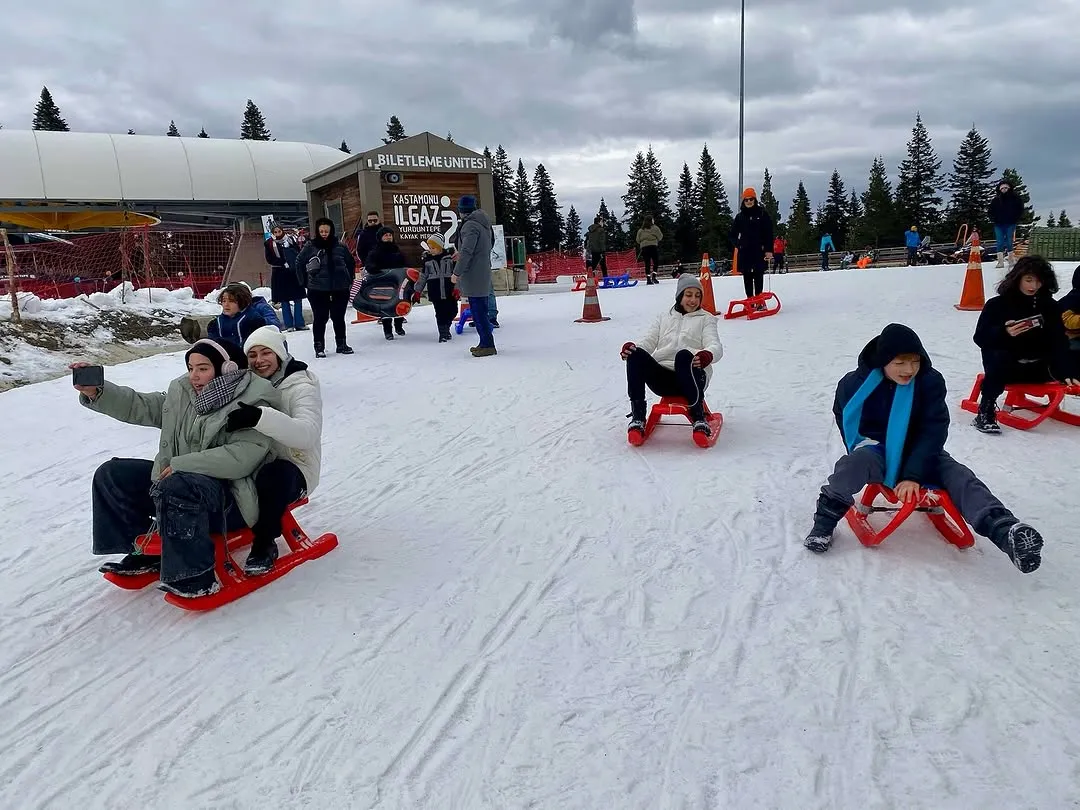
(472, 271)
(779, 248)
(596, 246)
(1006, 211)
(675, 357)
(894, 420)
(386, 256)
(368, 236)
(281, 252)
(326, 268)
(826, 246)
(752, 235)
(649, 237)
(438, 269)
(295, 426)
(912, 243)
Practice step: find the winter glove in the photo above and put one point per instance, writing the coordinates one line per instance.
(627, 350)
(703, 358)
(416, 298)
(245, 416)
(457, 295)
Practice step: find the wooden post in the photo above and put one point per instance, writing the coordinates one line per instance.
(13, 288)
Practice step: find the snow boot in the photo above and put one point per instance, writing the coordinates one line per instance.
(697, 416)
(399, 326)
(133, 565)
(261, 557)
(203, 584)
(1000, 260)
(388, 329)
(985, 420)
(320, 350)
(444, 338)
(829, 512)
(495, 323)
(1021, 542)
(637, 417)
(486, 351)
(343, 348)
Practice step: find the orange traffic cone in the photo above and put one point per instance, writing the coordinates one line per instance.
(735, 264)
(708, 302)
(590, 313)
(973, 296)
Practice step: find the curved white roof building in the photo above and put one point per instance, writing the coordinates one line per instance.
(89, 167)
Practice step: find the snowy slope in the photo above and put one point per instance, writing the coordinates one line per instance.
(526, 612)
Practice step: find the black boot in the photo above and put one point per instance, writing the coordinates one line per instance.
(343, 348)
(388, 329)
(320, 350)
(261, 557)
(399, 326)
(985, 420)
(132, 565)
(200, 585)
(697, 416)
(637, 416)
(1021, 542)
(829, 512)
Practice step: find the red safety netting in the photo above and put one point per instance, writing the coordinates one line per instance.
(549, 266)
(145, 257)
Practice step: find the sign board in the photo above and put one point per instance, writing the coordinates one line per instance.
(467, 164)
(418, 216)
(266, 220)
(498, 248)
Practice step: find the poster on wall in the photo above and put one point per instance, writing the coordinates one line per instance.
(498, 248)
(267, 219)
(418, 216)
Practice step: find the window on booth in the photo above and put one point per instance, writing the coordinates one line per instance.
(332, 211)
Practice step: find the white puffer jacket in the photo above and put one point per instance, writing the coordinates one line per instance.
(673, 331)
(297, 428)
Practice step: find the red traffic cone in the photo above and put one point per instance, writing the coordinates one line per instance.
(590, 313)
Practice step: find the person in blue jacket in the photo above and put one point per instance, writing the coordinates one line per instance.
(894, 420)
(912, 242)
(241, 314)
(826, 246)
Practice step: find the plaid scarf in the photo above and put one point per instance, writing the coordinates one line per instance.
(218, 393)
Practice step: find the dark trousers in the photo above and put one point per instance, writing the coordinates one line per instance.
(824, 260)
(479, 309)
(328, 306)
(778, 262)
(753, 274)
(683, 381)
(912, 256)
(188, 508)
(1003, 368)
(598, 259)
(650, 255)
(866, 465)
(278, 483)
(446, 310)
(388, 324)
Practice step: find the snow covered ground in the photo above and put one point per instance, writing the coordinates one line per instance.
(526, 612)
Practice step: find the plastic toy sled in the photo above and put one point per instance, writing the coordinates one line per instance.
(1026, 398)
(616, 282)
(387, 294)
(676, 406)
(234, 582)
(934, 503)
(757, 306)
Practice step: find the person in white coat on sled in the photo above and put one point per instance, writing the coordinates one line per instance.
(297, 433)
(675, 357)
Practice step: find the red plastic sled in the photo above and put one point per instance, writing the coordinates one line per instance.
(234, 582)
(1025, 398)
(676, 406)
(757, 306)
(935, 503)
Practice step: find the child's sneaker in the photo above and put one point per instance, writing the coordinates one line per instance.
(818, 543)
(399, 328)
(1021, 542)
(985, 421)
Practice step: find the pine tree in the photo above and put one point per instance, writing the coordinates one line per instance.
(970, 184)
(800, 233)
(687, 226)
(714, 210)
(1063, 220)
(878, 224)
(768, 199)
(1051, 221)
(394, 130)
(47, 114)
(502, 182)
(617, 238)
(1013, 178)
(523, 215)
(855, 217)
(202, 133)
(345, 147)
(173, 132)
(634, 204)
(835, 215)
(918, 201)
(253, 127)
(450, 137)
(573, 242)
(647, 194)
(819, 223)
(550, 228)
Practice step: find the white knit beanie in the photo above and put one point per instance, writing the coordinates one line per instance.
(271, 338)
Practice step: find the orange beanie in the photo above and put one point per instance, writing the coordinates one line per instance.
(749, 193)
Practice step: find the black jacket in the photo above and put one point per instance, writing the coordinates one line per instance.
(335, 267)
(284, 279)
(1006, 209)
(384, 256)
(366, 240)
(1047, 342)
(752, 232)
(929, 425)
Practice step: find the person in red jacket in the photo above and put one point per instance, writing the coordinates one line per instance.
(779, 248)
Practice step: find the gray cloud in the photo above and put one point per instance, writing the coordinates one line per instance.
(579, 84)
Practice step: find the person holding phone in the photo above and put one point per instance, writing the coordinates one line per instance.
(1022, 337)
(200, 483)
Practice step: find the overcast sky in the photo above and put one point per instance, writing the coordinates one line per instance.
(580, 85)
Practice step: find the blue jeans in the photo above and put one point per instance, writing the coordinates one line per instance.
(482, 319)
(493, 308)
(1004, 236)
(292, 313)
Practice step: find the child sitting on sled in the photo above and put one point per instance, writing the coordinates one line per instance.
(893, 419)
(438, 267)
(675, 357)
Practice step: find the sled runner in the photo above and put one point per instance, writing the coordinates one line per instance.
(1025, 397)
(387, 294)
(579, 284)
(234, 582)
(757, 306)
(614, 282)
(935, 503)
(676, 406)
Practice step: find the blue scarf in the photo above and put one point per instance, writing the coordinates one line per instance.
(895, 432)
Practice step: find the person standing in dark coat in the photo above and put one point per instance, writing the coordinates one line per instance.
(752, 236)
(285, 289)
(1006, 211)
(326, 269)
(368, 236)
(472, 271)
(386, 256)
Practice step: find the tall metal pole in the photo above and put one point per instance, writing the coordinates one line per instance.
(742, 88)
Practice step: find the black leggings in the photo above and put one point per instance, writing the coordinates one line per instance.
(328, 306)
(1004, 368)
(598, 259)
(278, 484)
(753, 274)
(684, 381)
(650, 254)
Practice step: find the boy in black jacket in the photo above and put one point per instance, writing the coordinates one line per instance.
(893, 419)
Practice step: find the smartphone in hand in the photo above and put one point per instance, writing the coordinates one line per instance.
(89, 376)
